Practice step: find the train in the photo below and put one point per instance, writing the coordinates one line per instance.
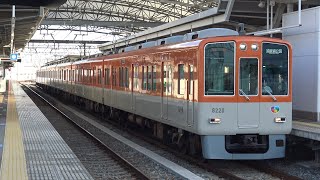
(212, 92)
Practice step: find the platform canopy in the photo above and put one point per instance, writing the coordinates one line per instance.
(80, 26)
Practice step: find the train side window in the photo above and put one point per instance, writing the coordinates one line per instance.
(107, 76)
(165, 78)
(114, 75)
(169, 85)
(120, 77)
(136, 77)
(144, 77)
(190, 79)
(149, 79)
(154, 78)
(181, 79)
(123, 77)
(93, 76)
(99, 76)
(73, 75)
(127, 77)
(88, 75)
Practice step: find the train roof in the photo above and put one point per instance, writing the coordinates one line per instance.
(175, 44)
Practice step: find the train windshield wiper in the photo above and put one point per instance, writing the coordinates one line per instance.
(245, 95)
(266, 89)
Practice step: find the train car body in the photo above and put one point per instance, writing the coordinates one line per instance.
(234, 92)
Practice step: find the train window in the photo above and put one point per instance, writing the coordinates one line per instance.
(99, 76)
(124, 77)
(154, 78)
(107, 76)
(181, 80)
(114, 75)
(93, 76)
(249, 76)
(219, 68)
(136, 77)
(85, 75)
(144, 77)
(190, 79)
(165, 78)
(275, 59)
(149, 77)
(120, 76)
(127, 77)
(73, 75)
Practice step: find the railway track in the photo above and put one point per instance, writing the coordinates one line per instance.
(102, 158)
(221, 171)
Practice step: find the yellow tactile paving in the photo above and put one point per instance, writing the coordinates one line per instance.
(13, 165)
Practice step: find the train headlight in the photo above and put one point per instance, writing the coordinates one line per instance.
(214, 120)
(280, 119)
(254, 47)
(243, 46)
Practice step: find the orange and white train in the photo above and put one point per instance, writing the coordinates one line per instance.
(214, 92)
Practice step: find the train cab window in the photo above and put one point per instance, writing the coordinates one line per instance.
(136, 77)
(144, 77)
(219, 68)
(181, 79)
(154, 78)
(275, 59)
(248, 76)
(99, 76)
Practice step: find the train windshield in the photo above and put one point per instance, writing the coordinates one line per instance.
(219, 68)
(275, 69)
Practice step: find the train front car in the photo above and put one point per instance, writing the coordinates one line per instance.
(245, 97)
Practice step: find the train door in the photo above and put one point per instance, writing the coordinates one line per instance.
(167, 89)
(248, 100)
(190, 95)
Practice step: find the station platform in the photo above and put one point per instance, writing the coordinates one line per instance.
(306, 129)
(30, 147)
